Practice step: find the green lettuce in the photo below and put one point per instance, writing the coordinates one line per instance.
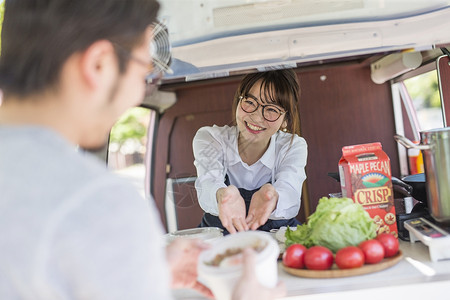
(336, 223)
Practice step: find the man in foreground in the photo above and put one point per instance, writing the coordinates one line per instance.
(72, 230)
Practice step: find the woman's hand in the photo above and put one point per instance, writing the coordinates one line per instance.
(231, 209)
(182, 256)
(263, 203)
(249, 288)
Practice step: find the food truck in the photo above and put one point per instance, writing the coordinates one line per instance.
(358, 62)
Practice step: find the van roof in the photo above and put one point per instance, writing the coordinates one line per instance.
(216, 38)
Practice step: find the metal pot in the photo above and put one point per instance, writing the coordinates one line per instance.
(435, 146)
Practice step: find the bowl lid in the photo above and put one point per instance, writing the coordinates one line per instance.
(202, 233)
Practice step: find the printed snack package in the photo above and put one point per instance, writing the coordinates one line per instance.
(365, 174)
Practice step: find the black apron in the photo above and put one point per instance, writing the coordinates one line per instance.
(209, 220)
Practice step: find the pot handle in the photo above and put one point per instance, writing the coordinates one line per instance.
(408, 144)
(403, 187)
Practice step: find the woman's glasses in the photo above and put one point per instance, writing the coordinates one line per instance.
(270, 112)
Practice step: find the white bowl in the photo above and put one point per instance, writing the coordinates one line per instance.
(222, 279)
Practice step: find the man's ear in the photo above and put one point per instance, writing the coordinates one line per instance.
(97, 63)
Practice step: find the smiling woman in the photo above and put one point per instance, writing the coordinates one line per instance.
(250, 175)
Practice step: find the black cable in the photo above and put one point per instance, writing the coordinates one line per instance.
(445, 51)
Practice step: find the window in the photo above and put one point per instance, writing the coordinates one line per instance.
(424, 93)
(422, 111)
(128, 146)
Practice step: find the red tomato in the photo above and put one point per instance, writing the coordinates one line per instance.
(389, 243)
(373, 251)
(349, 257)
(294, 255)
(318, 258)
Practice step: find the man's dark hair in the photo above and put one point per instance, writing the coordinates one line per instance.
(38, 36)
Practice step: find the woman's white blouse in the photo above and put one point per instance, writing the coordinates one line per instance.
(283, 164)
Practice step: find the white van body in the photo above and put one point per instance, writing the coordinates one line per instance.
(352, 58)
(215, 38)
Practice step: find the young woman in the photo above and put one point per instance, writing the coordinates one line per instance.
(250, 175)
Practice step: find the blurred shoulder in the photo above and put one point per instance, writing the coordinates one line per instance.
(216, 132)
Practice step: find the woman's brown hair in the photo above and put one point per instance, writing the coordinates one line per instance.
(280, 87)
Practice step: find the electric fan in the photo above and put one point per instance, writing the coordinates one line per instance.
(160, 49)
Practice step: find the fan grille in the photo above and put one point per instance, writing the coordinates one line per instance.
(160, 48)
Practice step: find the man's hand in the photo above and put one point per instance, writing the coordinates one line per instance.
(182, 256)
(249, 288)
(231, 209)
(263, 203)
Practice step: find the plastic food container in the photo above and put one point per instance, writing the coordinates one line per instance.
(206, 234)
(222, 279)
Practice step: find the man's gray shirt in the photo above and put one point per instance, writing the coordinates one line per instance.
(69, 228)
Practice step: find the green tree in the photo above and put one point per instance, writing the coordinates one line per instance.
(2, 11)
(425, 88)
(131, 125)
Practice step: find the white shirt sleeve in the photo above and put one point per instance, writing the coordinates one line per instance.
(289, 177)
(209, 159)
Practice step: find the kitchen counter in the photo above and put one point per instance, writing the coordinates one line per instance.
(432, 281)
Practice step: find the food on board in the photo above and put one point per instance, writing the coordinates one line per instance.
(390, 244)
(373, 251)
(318, 258)
(341, 226)
(294, 256)
(349, 258)
(365, 174)
(336, 223)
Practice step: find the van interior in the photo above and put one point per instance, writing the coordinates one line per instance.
(353, 58)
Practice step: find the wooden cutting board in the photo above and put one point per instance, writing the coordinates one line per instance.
(335, 272)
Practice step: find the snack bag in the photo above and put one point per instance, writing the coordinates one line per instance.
(365, 174)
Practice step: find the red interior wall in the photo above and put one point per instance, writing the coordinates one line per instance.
(339, 106)
(199, 105)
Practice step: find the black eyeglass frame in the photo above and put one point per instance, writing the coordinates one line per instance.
(263, 107)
